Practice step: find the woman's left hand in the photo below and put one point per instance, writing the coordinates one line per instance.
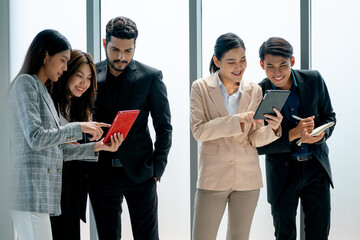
(115, 141)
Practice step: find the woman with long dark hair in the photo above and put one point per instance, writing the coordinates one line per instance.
(222, 110)
(38, 140)
(74, 95)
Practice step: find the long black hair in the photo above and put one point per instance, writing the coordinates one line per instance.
(74, 108)
(47, 41)
(223, 44)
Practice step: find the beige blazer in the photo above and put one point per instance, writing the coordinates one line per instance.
(228, 157)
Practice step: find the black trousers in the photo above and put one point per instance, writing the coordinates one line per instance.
(75, 186)
(106, 196)
(309, 182)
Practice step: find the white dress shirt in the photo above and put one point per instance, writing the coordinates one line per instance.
(231, 102)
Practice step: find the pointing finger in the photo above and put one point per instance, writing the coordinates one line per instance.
(101, 124)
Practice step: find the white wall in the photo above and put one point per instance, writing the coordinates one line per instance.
(27, 18)
(336, 54)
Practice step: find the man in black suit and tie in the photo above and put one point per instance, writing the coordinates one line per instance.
(293, 171)
(133, 171)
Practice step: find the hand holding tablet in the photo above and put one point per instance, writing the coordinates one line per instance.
(122, 123)
(272, 99)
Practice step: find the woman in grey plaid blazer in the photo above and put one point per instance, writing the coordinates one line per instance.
(38, 140)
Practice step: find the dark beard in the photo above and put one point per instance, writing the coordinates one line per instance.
(112, 65)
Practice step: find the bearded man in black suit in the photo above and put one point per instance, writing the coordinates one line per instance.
(134, 170)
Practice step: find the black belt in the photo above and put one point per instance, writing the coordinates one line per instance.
(302, 158)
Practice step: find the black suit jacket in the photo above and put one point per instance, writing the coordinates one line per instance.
(314, 101)
(143, 89)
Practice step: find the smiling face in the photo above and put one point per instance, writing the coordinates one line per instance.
(80, 81)
(54, 66)
(232, 65)
(278, 70)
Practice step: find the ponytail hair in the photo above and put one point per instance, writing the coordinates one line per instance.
(223, 44)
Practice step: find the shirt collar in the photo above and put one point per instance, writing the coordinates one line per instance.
(221, 84)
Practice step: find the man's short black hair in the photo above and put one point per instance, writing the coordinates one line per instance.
(276, 46)
(121, 27)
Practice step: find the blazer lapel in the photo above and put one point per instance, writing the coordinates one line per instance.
(245, 97)
(215, 95)
(48, 100)
(305, 95)
(101, 75)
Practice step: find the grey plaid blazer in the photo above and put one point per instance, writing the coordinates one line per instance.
(37, 147)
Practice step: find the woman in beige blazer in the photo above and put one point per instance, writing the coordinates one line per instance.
(222, 109)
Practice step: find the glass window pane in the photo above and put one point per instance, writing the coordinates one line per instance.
(27, 18)
(336, 55)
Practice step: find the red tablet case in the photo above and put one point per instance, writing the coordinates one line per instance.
(122, 123)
